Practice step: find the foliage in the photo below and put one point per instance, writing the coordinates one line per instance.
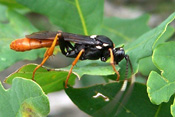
(47, 79)
(21, 101)
(149, 53)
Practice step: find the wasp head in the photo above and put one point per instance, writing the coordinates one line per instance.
(119, 54)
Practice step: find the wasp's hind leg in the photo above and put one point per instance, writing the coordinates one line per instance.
(73, 64)
(48, 53)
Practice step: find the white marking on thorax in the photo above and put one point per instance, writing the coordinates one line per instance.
(98, 47)
(93, 36)
(105, 44)
(121, 48)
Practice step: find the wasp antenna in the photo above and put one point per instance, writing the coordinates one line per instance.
(126, 72)
(129, 89)
(128, 61)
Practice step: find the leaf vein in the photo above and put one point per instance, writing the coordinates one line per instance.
(81, 17)
(117, 33)
(163, 87)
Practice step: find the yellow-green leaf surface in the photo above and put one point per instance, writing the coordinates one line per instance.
(76, 16)
(146, 65)
(24, 99)
(161, 87)
(49, 80)
(95, 67)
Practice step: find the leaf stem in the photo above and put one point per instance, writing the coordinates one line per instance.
(158, 110)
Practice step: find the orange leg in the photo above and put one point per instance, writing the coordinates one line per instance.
(48, 53)
(73, 64)
(112, 63)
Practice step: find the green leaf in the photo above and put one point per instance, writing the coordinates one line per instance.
(76, 16)
(17, 27)
(11, 3)
(143, 46)
(24, 98)
(3, 17)
(166, 36)
(109, 100)
(49, 80)
(95, 67)
(158, 88)
(125, 30)
(161, 87)
(146, 65)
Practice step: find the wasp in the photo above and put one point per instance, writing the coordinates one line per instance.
(76, 46)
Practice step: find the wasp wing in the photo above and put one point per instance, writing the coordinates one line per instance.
(80, 39)
(75, 38)
(42, 35)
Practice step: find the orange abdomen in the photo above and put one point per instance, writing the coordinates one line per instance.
(26, 44)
